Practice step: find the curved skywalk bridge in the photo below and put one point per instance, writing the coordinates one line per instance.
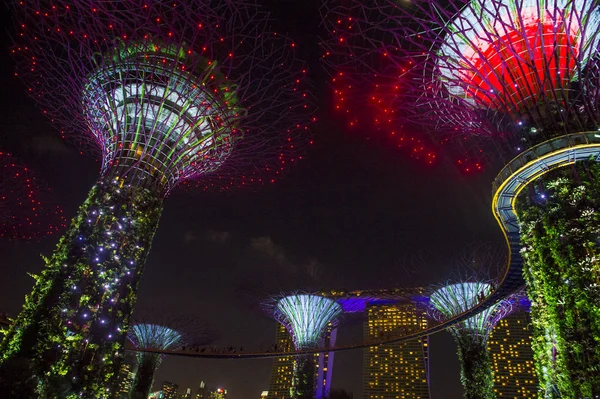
(512, 179)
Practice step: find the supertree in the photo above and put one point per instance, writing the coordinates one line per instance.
(306, 317)
(502, 78)
(471, 335)
(27, 207)
(167, 92)
(171, 335)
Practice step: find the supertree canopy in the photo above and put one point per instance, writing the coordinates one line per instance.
(472, 334)
(161, 337)
(306, 318)
(154, 337)
(27, 207)
(517, 71)
(167, 92)
(499, 79)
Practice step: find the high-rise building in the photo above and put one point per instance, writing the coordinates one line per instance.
(512, 358)
(169, 390)
(125, 381)
(202, 391)
(218, 393)
(187, 394)
(281, 374)
(401, 370)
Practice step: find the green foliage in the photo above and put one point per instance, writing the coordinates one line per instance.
(303, 379)
(74, 322)
(476, 373)
(561, 267)
(144, 375)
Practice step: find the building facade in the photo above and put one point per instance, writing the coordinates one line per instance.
(283, 367)
(169, 390)
(512, 358)
(125, 381)
(401, 370)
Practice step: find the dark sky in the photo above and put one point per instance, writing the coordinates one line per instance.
(354, 214)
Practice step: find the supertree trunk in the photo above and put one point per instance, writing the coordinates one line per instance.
(475, 367)
(303, 380)
(560, 238)
(144, 377)
(74, 323)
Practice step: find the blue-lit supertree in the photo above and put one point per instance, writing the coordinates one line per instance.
(306, 317)
(150, 336)
(170, 334)
(513, 82)
(472, 334)
(195, 92)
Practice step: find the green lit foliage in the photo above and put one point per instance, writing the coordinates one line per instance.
(74, 322)
(476, 373)
(303, 380)
(154, 337)
(561, 237)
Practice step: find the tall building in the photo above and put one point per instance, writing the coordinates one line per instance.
(125, 381)
(512, 358)
(202, 391)
(218, 393)
(401, 370)
(169, 390)
(281, 374)
(187, 394)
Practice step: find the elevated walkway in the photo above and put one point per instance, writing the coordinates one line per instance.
(512, 179)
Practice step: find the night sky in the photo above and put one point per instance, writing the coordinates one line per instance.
(356, 213)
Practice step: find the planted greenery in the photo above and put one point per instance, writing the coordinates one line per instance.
(560, 232)
(90, 281)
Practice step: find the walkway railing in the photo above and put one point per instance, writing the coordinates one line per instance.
(512, 179)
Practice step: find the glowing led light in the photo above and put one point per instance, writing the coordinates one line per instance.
(306, 316)
(455, 299)
(519, 51)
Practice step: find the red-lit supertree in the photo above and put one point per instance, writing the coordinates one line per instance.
(27, 209)
(506, 78)
(168, 93)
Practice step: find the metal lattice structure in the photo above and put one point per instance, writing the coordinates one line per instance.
(28, 210)
(517, 72)
(154, 336)
(200, 93)
(471, 335)
(306, 317)
(158, 330)
(166, 92)
(455, 299)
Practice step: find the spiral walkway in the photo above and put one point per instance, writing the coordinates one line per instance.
(512, 179)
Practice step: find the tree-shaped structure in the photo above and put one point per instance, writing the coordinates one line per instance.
(306, 318)
(500, 79)
(27, 207)
(167, 92)
(472, 334)
(160, 337)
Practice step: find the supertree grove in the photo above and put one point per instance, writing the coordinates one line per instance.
(161, 337)
(472, 334)
(196, 93)
(306, 317)
(27, 209)
(496, 80)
